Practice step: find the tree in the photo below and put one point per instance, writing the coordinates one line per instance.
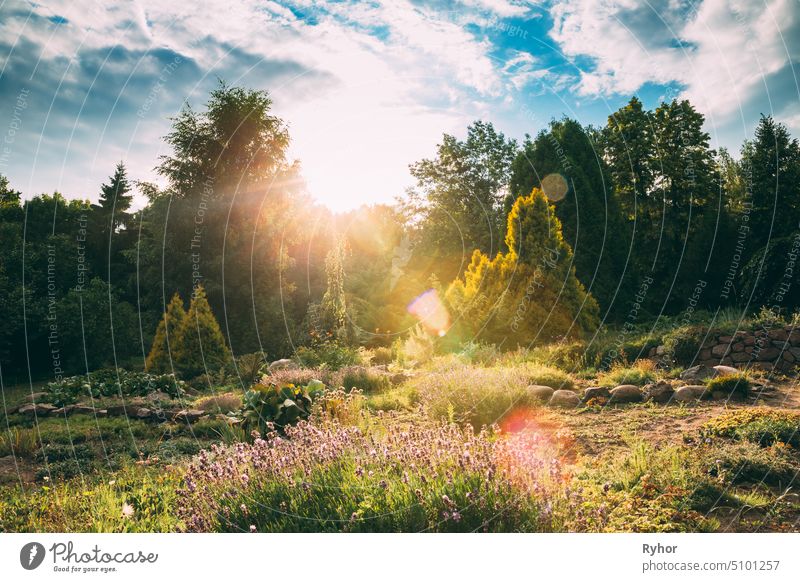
(566, 156)
(457, 203)
(200, 345)
(109, 217)
(160, 358)
(771, 165)
(234, 145)
(529, 293)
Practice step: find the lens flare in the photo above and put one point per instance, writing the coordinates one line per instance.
(555, 187)
(431, 312)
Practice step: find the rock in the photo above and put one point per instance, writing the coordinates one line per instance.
(595, 392)
(64, 410)
(283, 364)
(787, 355)
(795, 352)
(36, 409)
(738, 347)
(158, 395)
(118, 410)
(83, 409)
(691, 393)
(626, 393)
(718, 395)
(720, 350)
(725, 339)
(749, 341)
(778, 334)
(661, 350)
(705, 354)
(738, 357)
(768, 354)
(540, 393)
(189, 416)
(697, 373)
(36, 397)
(140, 412)
(231, 420)
(725, 371)
(660, 392)
(565, 399)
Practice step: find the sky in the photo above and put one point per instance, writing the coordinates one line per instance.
(366, 88)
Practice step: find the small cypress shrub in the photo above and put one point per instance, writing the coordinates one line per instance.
(200, 346)
(162, 352)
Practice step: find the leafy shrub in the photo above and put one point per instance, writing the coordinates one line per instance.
(112, 383)
(329, 354)
(337, 478)
(683, 343)
(763, 426)
(278, 404)
(734, 384)
(418, 348)
(640, 373)
(768, 318)
(250, 367)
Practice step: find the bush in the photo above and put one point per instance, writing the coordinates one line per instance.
(418, 348)
(640, 373)
(278, 405)
(112, 383)
(250, 367)
(20, 442)
(746, 462)
(382, 356)
(419, 478)
(683, 344)
(480, 396)
(475, 352)
(330, 354)
(763, 426)
(735, 384)
(364, 379)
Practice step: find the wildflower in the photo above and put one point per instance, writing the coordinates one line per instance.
(456, 516)
(252, 529)
(127, 510)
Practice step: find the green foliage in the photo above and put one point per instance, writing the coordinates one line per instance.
(219, 403)
(19, 442)
(329, 354)
(364, 379)
(279, 405)
(530, 293)
(746, 462)
(417, 348)
(640, 373)
(200, 345)
(112, 383)
(734, 384)
(250, 367)
(763, 426)
(165, 343)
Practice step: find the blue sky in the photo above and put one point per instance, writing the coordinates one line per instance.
(369, 87)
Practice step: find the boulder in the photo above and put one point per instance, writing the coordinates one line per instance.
(698, 373)
(83, 409)
(596, 392)
(725, 339)
(725, 371)
(691, 393)
(660, 392)
(565, 399)
(36, 409)
(739, 357)
(778, 334)
(118, 410)
(190, 415)
(749, 340)
(626, 393)
(283, 364)
(140, 412)
(540, 393)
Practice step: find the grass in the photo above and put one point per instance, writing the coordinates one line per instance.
(220, 403)
(733, 385)
(763, 426)
(640, 373)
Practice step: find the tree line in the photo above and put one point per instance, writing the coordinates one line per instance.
(523, 242)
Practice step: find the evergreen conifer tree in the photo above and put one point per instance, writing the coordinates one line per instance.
(160, 358)
(200, 345)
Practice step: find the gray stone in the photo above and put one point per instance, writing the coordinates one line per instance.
(565, 399)
(190, 415)
(283, 364)
(741, 357)
(540, 393)
(37, 409)
(768, 354)
(626, 393)
(660, 392)
(596, 392)
(725, 371)
(691, 393)
(697, 373)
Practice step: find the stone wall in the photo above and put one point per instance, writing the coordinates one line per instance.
(775, 349)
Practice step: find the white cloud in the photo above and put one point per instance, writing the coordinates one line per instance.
(720, 53)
